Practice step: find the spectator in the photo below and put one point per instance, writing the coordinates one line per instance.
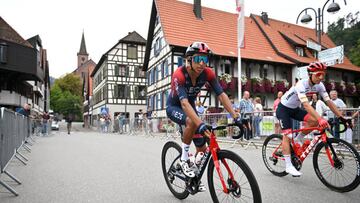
(229, 117)
(257, 117)
(319, 105)
(200, 108)
(246, 109)
(25, 110)
(334, 121)
(140, 119)
(45, 120)
(276, 103)
(121, 118)
(69, 119)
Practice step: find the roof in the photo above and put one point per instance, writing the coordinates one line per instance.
(272, 42)
(82, 50)
(221, 41)
(133, 37)
(9, 34)
(279, 32)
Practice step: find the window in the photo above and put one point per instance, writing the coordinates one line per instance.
(157, 46)
(157, 20)
(299, 51)
(3, 53)
(227, 68)
(166, 95)
(139, 92)
(165, 68)
(123, 70)
(158, 73)
(180, 61)
(131, 51)
(142, 74)
(116, 69)
(122, 91)
(153, 72)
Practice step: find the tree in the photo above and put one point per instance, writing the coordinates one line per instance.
(347, 35)
(66, 95)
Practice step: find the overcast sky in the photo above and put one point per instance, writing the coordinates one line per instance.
(60, 23)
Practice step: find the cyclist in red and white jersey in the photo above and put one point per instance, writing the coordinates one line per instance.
(289, 108)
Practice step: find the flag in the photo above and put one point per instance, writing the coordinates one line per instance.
(241, 25)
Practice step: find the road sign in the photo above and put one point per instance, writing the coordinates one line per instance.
(313, 45)
(332, 56)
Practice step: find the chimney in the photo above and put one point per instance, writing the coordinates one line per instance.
(264, 17)
(197, 9)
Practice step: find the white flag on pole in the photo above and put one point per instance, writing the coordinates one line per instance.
(241, 24)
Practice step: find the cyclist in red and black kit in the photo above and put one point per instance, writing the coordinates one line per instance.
(186, 84)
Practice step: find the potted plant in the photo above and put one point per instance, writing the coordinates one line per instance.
(257, 85)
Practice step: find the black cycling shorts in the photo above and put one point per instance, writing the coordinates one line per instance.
(285, 114)
(177, 114)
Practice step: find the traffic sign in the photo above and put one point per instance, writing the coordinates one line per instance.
(313, 45)
(332, 56)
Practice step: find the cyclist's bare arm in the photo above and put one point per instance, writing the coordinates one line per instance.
(334, 108)
(225, 101)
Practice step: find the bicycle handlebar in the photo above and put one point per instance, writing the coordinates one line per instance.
(345, 122)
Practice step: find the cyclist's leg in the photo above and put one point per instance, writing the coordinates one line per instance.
(178, 115)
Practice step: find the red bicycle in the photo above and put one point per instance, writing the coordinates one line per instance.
(336, 162)
(229, 177)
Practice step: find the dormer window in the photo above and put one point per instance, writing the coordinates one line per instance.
(299, 51)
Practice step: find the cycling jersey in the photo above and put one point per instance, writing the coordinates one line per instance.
(298, 94)
(182, 87)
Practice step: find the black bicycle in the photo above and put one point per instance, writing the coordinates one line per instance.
(229, 178)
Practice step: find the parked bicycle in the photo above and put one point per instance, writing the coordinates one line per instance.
(229, 178)
(336, 162)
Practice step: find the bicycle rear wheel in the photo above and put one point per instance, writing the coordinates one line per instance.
(344, 176)
(244, 188)
(170, 157)
(272, 155)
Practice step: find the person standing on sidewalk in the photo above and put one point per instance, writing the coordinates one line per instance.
(257, 117)
(276, 103)
(69, 119)
(246, 109)
(333, 120)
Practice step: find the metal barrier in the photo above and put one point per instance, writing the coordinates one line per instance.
(350, 135)
(14, 134)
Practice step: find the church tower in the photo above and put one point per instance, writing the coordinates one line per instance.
(82, 54)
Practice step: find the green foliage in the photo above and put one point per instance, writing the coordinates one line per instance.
(349, 37)
(66, 95)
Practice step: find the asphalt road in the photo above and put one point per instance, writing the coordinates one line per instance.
(93, 167)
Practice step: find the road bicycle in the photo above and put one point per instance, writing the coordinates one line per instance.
(229, 178)
(336, 162)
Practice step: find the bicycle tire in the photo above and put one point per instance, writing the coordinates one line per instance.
(339, 165)
(180, 195)
(245, 172)
(268, 159)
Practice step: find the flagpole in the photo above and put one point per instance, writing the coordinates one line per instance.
(239, 74)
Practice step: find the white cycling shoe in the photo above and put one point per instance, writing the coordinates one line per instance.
(188, 171)
(292, 170)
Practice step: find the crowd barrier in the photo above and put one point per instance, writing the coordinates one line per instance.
(263, 124)
(14, 134)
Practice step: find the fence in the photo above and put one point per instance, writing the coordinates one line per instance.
(263, 124)
(15, 133)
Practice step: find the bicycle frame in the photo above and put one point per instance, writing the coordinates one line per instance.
(316, 139)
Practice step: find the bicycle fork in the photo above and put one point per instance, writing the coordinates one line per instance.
(217, 166)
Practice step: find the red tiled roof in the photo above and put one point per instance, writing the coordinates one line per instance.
(217, 28)
(273, 29)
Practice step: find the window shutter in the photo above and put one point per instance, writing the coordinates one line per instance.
(127, 92)
(127, 73)
(136, 92)
(117, 67)
(136, 71)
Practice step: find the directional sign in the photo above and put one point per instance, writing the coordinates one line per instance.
(313, 45)
(332, 56)
(301, 72)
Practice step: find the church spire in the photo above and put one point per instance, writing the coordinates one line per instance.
(83, 46)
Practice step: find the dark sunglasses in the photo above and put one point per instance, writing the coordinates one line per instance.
(198, 59)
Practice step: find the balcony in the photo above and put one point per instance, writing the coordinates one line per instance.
(22, 61)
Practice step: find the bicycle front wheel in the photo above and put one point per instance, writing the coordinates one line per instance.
(170, 157)
(243, 188)
(344, 176)
(272, 155)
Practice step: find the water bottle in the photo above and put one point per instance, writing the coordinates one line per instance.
(199, 157)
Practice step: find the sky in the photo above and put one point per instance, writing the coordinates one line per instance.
(60, 23)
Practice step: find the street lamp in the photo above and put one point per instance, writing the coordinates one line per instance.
(319, 16)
